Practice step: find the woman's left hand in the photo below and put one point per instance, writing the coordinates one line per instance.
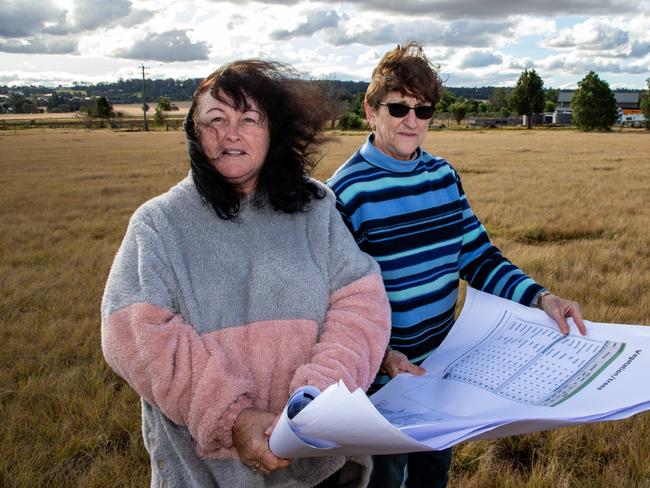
(249, 436)
(558, 309)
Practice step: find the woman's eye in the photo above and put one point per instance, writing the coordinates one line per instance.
(250, 120)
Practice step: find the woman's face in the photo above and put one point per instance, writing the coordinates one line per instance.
(235, 141)
(397, 137)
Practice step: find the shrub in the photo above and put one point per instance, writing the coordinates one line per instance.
(351, 121)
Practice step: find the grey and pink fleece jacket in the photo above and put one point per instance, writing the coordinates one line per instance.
(204, 317)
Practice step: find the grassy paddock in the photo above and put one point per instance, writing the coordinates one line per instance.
(570, 208)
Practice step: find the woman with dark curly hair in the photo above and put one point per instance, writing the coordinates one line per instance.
(239, 285)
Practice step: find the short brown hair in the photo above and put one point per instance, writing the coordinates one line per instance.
(407, 70)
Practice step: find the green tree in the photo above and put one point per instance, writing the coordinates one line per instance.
(54, 101)
(165, 103)
(472, 106)
(593, 104)
(103, 108)
(528, 95)
(448, 98)
(353, 117)
(549, 106)
(552, 95)
(458, 111)
(499, 99)
(159, 116)
(357, 105)
(21, 105)
(645, 105)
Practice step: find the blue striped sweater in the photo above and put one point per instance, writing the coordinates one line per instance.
(414, 219)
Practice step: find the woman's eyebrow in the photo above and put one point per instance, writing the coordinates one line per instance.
(243, 111)
(405, 102)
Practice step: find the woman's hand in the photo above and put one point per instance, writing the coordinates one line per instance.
(396, 362)
(558, 308)
(250, 438)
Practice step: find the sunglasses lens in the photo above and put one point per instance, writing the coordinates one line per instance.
(400, 110)
(424, 112)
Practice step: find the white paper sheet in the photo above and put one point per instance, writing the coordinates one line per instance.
(504, 369)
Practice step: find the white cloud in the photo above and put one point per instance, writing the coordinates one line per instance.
(639, 49)
(473, 42)
(591, 35)
(641, 68)
(40, 45)
(90, 15)
(429, 32)
(315, 21)
(371, 56)
(174, 45)
(578, 65)
(512, 63)
(24, 18)
(533, 26)
(454, 9)
(235, 21)
(480, 59)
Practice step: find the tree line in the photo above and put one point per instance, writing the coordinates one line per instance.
(593, 103)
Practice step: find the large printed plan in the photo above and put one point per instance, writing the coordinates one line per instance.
(533, 363)
(504, 369)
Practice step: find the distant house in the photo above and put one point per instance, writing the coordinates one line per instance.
(627, 103)
(564, 101)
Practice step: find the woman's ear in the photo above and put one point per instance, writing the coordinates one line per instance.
(370, 113)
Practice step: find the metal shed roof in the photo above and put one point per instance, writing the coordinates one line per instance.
(621, 97)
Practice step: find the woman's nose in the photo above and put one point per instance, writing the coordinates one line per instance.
(410, 120)
(232, 132)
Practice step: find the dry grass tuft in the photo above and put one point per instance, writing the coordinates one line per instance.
(570, 208)
(547, 234)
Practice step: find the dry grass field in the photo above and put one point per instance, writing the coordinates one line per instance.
(126, 109)
(570, 208)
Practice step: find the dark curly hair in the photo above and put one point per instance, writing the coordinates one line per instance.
(405, 69)
(295, 125)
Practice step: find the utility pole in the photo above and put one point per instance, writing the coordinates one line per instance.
(144, 98)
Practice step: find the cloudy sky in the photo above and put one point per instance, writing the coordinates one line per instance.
(474, 42)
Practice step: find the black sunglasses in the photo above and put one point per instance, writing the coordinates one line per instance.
(400, 110)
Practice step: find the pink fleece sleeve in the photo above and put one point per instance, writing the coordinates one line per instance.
(190, 378)
(354, 338)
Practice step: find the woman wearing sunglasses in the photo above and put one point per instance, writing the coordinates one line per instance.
(407, 209)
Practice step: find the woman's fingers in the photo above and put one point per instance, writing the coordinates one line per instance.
(558, 309)
(252, 443)
(269, 462)
(397, 362)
